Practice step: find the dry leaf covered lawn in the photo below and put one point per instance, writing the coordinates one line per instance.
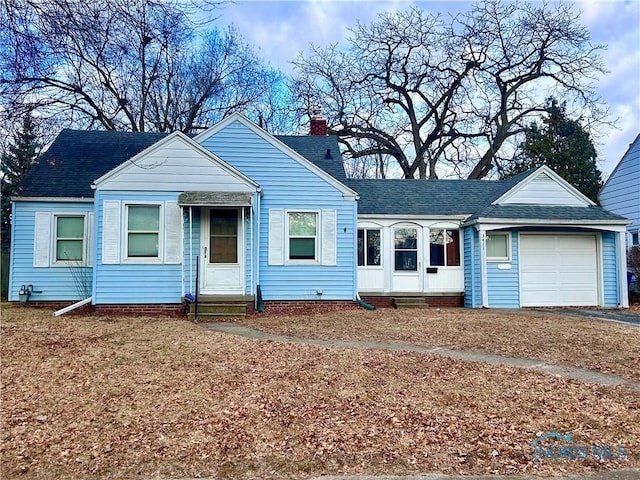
(597, 345)
(100, 397)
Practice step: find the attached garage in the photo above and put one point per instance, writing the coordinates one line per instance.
(558, 270)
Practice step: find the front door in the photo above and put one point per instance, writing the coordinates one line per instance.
(223, 247)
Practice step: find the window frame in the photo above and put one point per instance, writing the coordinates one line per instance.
(125, 232)
(316, 237)
(54, 240)
(365, 231)
(459, 256)
(635, 234)
(396, 250)
(508, 241)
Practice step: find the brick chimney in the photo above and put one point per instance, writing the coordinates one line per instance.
(318, 123)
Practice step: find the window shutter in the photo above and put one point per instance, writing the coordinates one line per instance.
(276, 237)
(173, 233)
(328, 237)
(42, 239)
(90, 236)
(111, 232)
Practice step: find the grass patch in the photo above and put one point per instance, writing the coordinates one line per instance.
(110, 397)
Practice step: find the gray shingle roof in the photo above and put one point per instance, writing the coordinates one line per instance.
(76, 158)
(547, 212)
(321, 150)
(428, 197)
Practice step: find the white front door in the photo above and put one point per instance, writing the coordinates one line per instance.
(223, 252)
(406, 262)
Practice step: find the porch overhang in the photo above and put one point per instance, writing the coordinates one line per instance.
(215, 199)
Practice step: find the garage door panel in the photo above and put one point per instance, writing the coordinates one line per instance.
(558, 270)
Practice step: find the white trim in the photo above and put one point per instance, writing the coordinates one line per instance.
(621, 255)
(316, 260)
(415, 218)
(482, 236)
(125, 232)
(554, 176)
(84, 261)
(53, 199)
(508, 257)
(494, 223)
(346, 191)
(213, 158)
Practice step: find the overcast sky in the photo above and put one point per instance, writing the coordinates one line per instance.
(280, 29)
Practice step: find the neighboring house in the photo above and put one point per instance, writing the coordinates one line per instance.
(121, 219)
(621, 192)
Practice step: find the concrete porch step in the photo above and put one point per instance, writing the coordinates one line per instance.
(218, 311)
(409, 302)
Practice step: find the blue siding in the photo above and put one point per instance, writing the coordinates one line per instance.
(472, 296)
(621, 192)
(610, 270)
(286, 184)
(133, 283)
(56, 282)
(503, 285)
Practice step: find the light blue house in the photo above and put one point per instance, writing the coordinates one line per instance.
(135, 221)
(621, 192)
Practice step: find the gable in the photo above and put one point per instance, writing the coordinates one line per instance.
(259, 154)
(176, 163)
(544, 187)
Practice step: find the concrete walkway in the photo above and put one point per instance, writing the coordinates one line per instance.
(626, 474)
(471, 356)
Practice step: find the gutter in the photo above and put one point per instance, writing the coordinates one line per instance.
(79, 304)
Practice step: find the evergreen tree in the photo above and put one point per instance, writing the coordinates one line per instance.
(15, 163)
(564, 146)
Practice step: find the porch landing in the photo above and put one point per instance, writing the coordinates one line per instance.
(219, 307)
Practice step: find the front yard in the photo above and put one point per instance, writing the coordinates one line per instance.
(113, 397)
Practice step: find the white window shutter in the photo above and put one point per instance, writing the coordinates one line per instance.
(276, 237)
(329, 237)
(173, 233)
(89, 239)
(42, 239)
(111, 232)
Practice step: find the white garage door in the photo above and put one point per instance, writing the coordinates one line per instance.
(558, 270)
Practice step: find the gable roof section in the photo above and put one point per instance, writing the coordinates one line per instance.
(77, 157)
(280, 145)
(543, 186)
(632, 145)
(176, 162)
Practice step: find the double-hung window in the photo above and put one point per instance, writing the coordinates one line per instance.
(143, 231)
(444, 247)
(303, 235)
(368, 247)
(498, 247)
(69, 238)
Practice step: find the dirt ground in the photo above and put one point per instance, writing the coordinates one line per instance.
(115, 397)
(593, 344)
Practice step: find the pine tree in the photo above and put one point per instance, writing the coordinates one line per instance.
(15, 163)
(564, 146)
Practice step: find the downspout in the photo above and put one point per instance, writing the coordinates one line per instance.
(622, 269)
(191, 250)
(253, 249)
(79, 304)
(361, 302)
(483, 268)
(258, 305)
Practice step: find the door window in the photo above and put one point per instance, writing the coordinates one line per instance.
(223, 241)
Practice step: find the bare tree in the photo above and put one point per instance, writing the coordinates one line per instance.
(451, 94)
(124, 65)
